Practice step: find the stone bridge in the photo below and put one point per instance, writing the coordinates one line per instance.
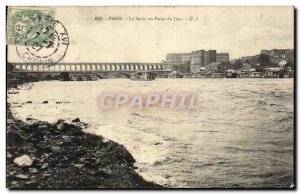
(86, 67)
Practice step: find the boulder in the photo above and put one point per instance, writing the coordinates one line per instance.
(24, 160)
(22, 176)
(45, 102)
(76, 120)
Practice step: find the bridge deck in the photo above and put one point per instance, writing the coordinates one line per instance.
(99, 71)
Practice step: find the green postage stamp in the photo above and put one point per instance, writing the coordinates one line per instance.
(30, 26)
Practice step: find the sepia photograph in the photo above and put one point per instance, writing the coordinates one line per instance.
(150, 97)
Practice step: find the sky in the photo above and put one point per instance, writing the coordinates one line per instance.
(240, 31)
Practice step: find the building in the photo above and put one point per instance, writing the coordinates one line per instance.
(210, 56)
(277, 55)
(185, 58)
(253, 60)
(222, 57)
(175, 57)
(196, 59)
(282, 63)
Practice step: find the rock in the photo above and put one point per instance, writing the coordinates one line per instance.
(8, 155)
(44, 166)
(22, 176)
(60, 126)
(28, 119)
(43, 127)
(28, 102)
(79, 165)
(105, 140)
(55, 148)
(9, 121)
(33, 170)
(14, 138)
(76, 120)
(135, 167)
(45, 102)
(24, 160)
(60, 121)
(106, 171)
(157, 143)
(13, 92)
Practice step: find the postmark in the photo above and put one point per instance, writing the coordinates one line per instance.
(50, 53)
(30, 26)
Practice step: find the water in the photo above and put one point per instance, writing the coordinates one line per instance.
(241, 135)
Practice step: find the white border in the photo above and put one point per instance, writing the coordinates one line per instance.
(4, 3)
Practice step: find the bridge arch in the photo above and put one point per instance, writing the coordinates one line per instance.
(67, 67)
(63, 67)
(57, 67)
(131, 67)
(28, 68)
(41, 67)
(77, 68)
(51, 68)
(17, 67)
(34, 68)
(146, 67)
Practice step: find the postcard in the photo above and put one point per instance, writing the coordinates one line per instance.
(154, 97)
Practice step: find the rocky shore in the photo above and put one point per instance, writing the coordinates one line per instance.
(60, 155)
